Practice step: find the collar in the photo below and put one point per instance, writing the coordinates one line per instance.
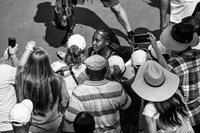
(96, 83)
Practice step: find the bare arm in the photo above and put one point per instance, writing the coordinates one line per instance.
(151, 124)
(13, 55)
(27, 52)
(164, 5)
(161, 59)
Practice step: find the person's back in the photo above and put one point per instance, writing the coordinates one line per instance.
(37, 81)
(7, 81)
(102, 98)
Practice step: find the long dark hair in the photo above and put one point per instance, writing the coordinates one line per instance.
(170, 110)
(37, 81)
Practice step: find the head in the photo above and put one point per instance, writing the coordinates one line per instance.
(138, 57)
(38, 82)
(164, 51)
(157, 83)
(179, 37)
(194, 22)
(104, 37)
(95, 67)
(76, 47)
(20, 116)
(116, 60)
(84, 123)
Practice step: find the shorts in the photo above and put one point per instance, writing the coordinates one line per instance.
(109, 3)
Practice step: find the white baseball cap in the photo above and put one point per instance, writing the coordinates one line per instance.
(21, 112)
(77, 40)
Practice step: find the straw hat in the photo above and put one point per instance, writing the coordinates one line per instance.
(155, 83)
(179, 37)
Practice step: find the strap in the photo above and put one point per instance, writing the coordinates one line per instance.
(72, 73)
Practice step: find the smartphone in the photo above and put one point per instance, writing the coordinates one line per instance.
(11, 41)
(141, 39)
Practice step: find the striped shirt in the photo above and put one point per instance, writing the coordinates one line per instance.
(102, 99)
(187, 67)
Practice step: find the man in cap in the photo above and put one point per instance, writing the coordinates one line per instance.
(186, 64)
(100, 97)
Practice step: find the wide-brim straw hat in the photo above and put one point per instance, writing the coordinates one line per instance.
(168, 41)
(155, 83)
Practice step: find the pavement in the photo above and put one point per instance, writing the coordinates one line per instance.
(31, 20)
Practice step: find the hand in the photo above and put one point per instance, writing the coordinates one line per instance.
(13, 50)
(163, 25)
(31, 44)
(152, 39)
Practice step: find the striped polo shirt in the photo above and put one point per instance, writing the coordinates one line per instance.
(102, 99)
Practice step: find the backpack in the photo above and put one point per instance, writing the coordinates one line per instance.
(63, 14)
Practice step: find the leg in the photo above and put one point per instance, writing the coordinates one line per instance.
(122, 18)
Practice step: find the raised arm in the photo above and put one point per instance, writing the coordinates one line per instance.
(13, 55)
(161, 59)
(29, 48)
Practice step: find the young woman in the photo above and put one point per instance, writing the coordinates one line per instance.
(37, 81)
(106, 44)
(166, 109)
(72, 67)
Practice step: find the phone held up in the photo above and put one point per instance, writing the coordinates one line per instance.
(141, 39)
(11, 41)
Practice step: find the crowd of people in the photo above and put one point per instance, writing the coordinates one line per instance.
(107, 88)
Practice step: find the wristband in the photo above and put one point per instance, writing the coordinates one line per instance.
(29, 48)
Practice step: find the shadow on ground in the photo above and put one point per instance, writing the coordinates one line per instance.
(54, 36)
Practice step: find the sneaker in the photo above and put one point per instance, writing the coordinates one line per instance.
(130, 37)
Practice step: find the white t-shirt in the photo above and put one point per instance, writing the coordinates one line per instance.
(181, 9)
(79, 73)
(7, 95)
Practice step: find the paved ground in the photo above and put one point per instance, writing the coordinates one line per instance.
(31, 20)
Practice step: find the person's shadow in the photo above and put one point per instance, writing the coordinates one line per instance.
(83, 16)
(53, 36)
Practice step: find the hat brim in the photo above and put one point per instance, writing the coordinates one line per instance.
(155, 94)
(167, 40)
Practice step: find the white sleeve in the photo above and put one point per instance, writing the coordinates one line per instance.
(150, 110)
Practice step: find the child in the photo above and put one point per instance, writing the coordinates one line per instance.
(84, 123)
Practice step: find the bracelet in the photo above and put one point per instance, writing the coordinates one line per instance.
(29, 48)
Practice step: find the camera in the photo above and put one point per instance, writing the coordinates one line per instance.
(141, 39)
(11, 41)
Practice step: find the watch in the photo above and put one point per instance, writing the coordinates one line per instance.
(29, 47)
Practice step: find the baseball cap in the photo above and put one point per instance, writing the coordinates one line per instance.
(116, 60)
(95, 62)
(138, 57)
(21, 113)
(77, 40)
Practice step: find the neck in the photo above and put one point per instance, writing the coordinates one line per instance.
(96, 78)
(21, 129)
(105, 52)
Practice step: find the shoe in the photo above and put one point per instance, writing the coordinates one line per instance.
(130, 37)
